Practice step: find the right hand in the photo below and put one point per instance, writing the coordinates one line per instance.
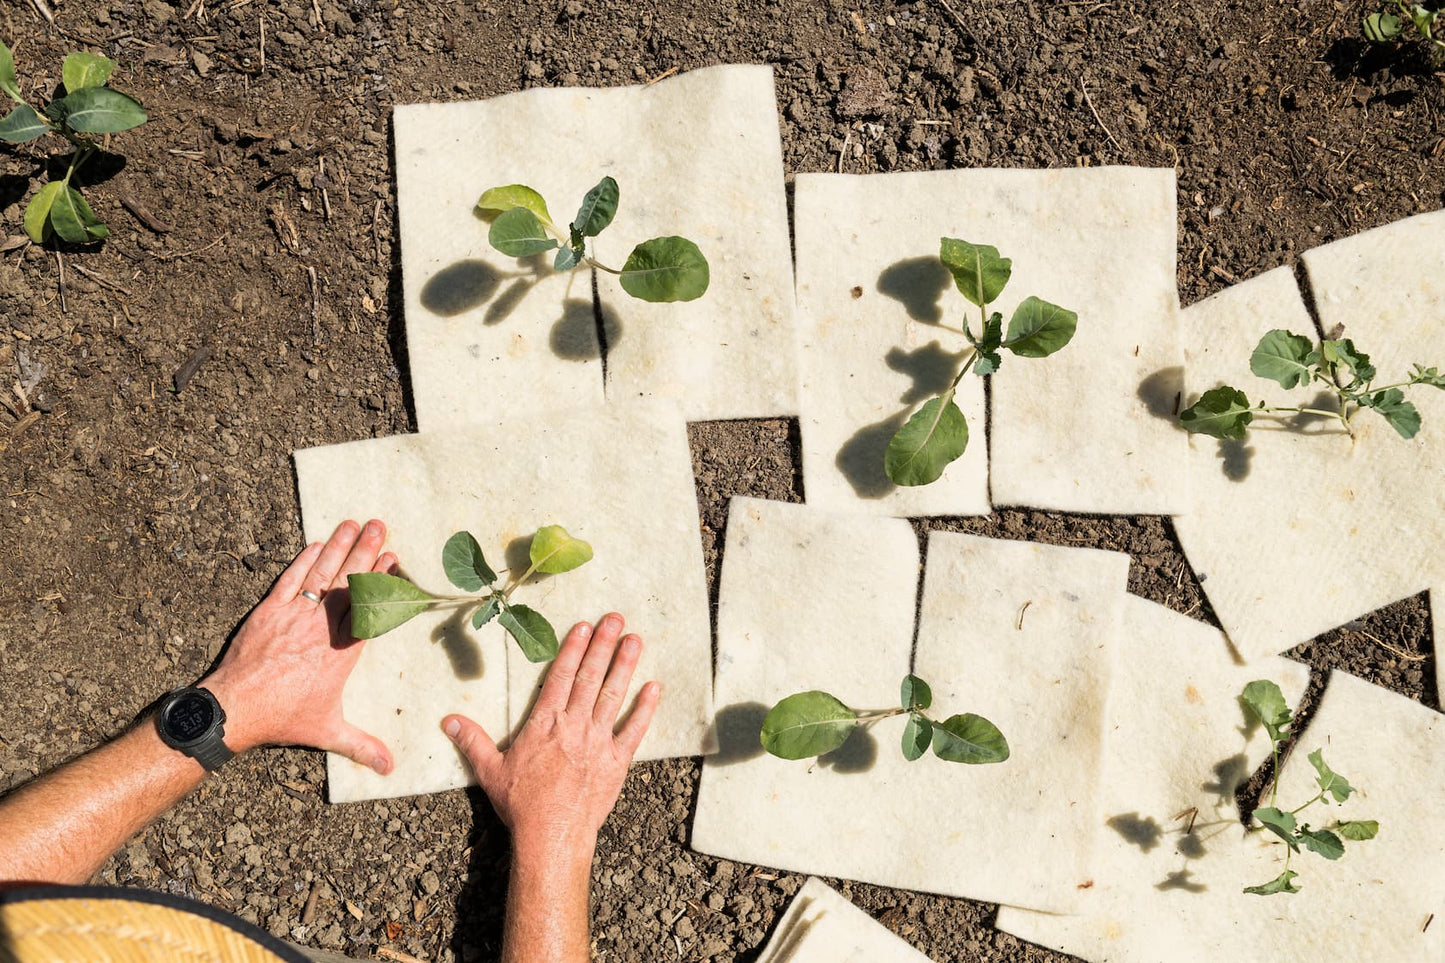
(559, 779)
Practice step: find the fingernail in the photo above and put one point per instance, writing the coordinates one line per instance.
(584, 630)
(612, 623)
(379, 764)
(373, 527)
(452, 727)
(631, 645)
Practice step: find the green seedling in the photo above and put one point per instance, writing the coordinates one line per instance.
(813, 723)
(1266, 702)
(381, 602)
(88, 107)
(1399, 18)
(662, 269)
(1294, 361)
(937, 433)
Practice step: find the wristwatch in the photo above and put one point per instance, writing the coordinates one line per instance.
(191, 720)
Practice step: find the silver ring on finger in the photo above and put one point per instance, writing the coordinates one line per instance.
(308, 594)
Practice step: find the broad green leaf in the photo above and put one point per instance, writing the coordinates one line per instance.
(1039, 328)
(807, 724)
(1322, 841)
(8, 81)
(518, 233)
(82, 70)
(1424, 19)
(969, 738)
(1330, 781)
(992, 333)
(533, 633)
(1401, 414)
(1222, 412)
(567, 258)
(499, 200)
(381, 602)
(1279, 822)
(1382, 27)
(37, 214)
(978, 271)
(1263, 698)
(987, 364)
(1283, 883)
(464, 563)
(1427, 376)
(917, 737)
(97, 110)
(1343, 352)
(915, 693)
(1283, 357)
(1358, 829)
(486, 612)
(598, 209)
(935, 436)
(665, 269)
(22, 124)
(554, 551)
(73, 219)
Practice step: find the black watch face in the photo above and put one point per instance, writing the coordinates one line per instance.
(190, 718)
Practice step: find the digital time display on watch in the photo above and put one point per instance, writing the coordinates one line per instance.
(190, 718)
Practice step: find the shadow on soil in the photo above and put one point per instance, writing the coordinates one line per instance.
(1359, 59)
(482, 903)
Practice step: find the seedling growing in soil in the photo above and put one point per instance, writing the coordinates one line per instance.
(1295, 361)
(88, 107)
(1265, 700)
(662, 269)
(381, 602)
(1388, 26)
(937, 433)
(813, 723)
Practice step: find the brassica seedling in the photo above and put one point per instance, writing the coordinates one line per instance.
(1388, 26)
(88, 107)
(1266, 702)
(937, 433)
(381, 602)
(1295, 361)
(813, 723)
(661, 269)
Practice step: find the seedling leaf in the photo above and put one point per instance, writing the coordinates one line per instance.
(8, 81)
(381, 602)
(1427, 376)
(464, 563)
(1344, 352)
(1282, 357)
(1382, 27)
(978, 271)
(22, 124)
(1263, 698)
(533, 633)
(553, 551)
(499, 200)
(486, 612)
(1401, 414)
(1039, 328)
(97, 110)
(936, 435)
(1222, 412)
(665, 269)
(1322, 841)
(37, 214)
(82, 70)
(915, 693)
(987, 363)
(598, 209)
(969, 738)
(1281, 823)
(917, 736)
(1330, 781)
(1358, 829)
(1283, 883)
(807, 724)
(73, 219)
(518, 233)
(567, 258)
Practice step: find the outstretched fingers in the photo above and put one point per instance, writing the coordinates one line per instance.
(629, 737)
(558, 685)
(288, 585)
(361, 557)
(619, 677)
(332, 557)
(593, 670)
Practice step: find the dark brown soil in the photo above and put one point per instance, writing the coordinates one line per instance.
(139, 525)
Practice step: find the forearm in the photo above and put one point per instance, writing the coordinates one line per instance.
(62, 827)
(547, 903)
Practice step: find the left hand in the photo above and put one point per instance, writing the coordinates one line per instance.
(281, 679)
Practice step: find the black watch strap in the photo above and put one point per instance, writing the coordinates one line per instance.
(213, 753)
(191, 720)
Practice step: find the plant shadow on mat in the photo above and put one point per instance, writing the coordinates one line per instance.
(738, 726)
(1136, 830)
(858, 754)
(462, 649)
(482, 903)
(918, 284)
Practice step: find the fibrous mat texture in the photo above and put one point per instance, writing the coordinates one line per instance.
(1033, 657)
(696, 155)
(617, 476)
(821, 926)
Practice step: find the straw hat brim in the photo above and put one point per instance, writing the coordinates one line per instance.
(98, 924)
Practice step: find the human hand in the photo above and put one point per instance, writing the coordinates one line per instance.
(281, 679)
(556, 783)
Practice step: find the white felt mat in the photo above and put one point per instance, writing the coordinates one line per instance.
(844, 625)
(1181, 900)
(820, 926)
(619, 477)
(697, 155)
(1295, 530)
